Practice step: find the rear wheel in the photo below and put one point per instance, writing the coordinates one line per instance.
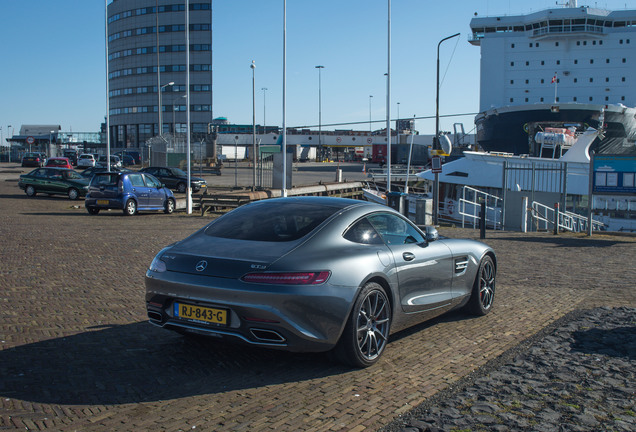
(92, 210)
(483, 293)
(73, 193)
(367, 330)
(169, 207)
(130, 208)
(30, 191)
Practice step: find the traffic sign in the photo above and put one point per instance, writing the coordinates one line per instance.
(30, 140)
(436, 164)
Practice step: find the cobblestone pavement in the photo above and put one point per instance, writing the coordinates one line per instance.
(77, 352)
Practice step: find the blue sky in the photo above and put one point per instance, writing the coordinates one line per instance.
(52, 60)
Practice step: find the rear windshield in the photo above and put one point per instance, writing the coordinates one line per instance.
(270, 223)
(105, 179)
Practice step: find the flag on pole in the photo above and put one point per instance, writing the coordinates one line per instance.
(554, 78)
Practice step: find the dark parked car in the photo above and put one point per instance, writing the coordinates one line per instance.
(54, 181)
(91, 171)
(33, 160)
(315, 274)
(71, 155)
(176, 179)
(136, 157)
(59, 162)
(128, 191)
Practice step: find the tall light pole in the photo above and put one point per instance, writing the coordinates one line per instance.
(397, 124)
(370, 97)
(319, 112)
(107, 89)
(436, 145)
(253, 66)
(189, 156)
(264, 119)
(9, 134)
(284, 182)
(160, 115)
(388, 103)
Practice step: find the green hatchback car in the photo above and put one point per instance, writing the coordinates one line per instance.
(54, 181)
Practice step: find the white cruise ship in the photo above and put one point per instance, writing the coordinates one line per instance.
(567, 68)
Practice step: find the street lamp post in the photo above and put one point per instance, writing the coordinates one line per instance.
(320, 112)
(436, 145)
(397, 124)
(9, 134)
(370, 97)
(160, 115)
(253, 67)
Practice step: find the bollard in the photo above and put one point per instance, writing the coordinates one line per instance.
(556, 218)
(482, 220)
(524, 213)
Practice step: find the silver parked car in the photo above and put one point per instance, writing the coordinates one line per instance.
(315, 274)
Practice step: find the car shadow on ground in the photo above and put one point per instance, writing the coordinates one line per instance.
(615, 342)
(139, 363)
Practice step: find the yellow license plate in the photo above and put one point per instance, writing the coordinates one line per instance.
(199, 313)
(102, 202)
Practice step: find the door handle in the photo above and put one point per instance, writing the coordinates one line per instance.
(408, 256)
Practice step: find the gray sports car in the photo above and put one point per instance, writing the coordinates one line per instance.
(315, 274)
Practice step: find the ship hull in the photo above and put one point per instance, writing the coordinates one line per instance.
(512, 129)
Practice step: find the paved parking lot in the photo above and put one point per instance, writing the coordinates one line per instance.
(77, 352)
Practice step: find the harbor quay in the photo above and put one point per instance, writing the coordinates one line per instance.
(77, 352)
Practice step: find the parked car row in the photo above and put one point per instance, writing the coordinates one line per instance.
(119, 188)
(32, 159)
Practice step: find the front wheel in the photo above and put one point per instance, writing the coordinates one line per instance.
(483, 293)
(169, 207)
(181, 188)
(367, 330)
(30, 191)
(130, 208)
(73, 194)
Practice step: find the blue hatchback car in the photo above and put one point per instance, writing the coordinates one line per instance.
(128, 191)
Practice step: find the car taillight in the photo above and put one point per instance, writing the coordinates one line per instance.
(296, 278)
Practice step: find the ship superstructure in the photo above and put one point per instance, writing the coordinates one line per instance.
(569, 67)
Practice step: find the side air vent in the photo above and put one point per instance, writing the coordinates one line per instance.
(461, 264)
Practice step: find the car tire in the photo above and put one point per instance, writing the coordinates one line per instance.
(92, 210)
(483, 293)
(130, 208)
(30, 191)
(367, 330)
(169, 207)
(73, 194)
(181, 187)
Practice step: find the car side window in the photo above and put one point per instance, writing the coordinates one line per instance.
(152, 182)
(394, 230)
(40, 173)
(362, 232)
(164, 172)
(136, 180)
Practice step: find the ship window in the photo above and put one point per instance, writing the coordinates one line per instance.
(591, 79)
(593, 42)
(512, 63)
(578, 42)
(558, 62)
(512, 99)
(512, 81)
(512, 46)
(556, 44)
(600, 42)
(607, 61)
(591, 98)
(527, 81)
(606, 79)
(541, 99)
(624, 60)
(574, 99)
(622, 98)
(623, 79)
(576, 80)
(584, 42)
(558, 99)
(542, 81)
(606, 98)
(542, 62)
(620, 41)
(531, 43)
(576, 62)
(591, 61)
(627, 41)
(527, 63)
(526, 99)
(537, 45)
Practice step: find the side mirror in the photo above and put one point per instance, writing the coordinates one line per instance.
(431, 233)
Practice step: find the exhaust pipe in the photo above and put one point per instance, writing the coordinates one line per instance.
(155, 316)
(267, 335)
